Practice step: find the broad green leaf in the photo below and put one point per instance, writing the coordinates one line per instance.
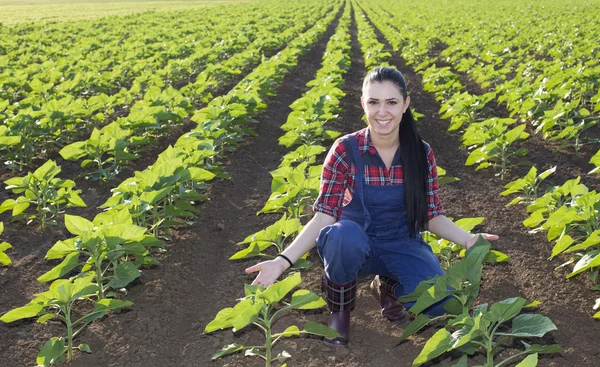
(247, 316)
(70, 262)
(78, 225)
(316, 328)
(496, 257)
(437, 345)
(277, 291)
(52, 353)
(74, 151)
(462, 362)
(417, 324)
(530, 361)
(125, 273)
(536, 348)
(153, 197)
(563, 243)
(530, 325)
(25, 312)
(588, 261)
(229, 349)
(506, 309)
(47, 171)
(4, 259)
(306, 300)
(61, 249)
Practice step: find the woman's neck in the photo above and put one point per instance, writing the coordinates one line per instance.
(390, 142)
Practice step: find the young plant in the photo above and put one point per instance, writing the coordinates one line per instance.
(448, 251)
(261, 307)
(59, 303)
(45, 191)
(4, 259)
(275, 235)
(112, 247)
(105, 152)
(528, 186)
(468, 331)
(293, 189)
(499, 152)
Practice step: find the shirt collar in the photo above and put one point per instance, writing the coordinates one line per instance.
(365, 143)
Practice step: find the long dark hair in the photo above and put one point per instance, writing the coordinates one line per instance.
(413, 154)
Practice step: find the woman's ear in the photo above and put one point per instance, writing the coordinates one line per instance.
(362, 102)
(406, 103)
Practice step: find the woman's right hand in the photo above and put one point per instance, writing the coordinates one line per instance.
(268, 271)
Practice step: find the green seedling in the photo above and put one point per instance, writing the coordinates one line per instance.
(4, 259)
(293, 189)
(43, 190)
(111, 247)
(443, 178)
(448, 252)
(59, 303)
(304, 153)
(470, 331)
(105, 152)
(261, 307)
(278, 235)
(499, 152)
(528, 186)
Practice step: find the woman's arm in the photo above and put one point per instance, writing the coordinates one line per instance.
(270, 271)
(445, 228)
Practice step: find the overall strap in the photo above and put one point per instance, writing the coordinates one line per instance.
(359, 179)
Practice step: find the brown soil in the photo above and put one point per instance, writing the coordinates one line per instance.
(174, 302)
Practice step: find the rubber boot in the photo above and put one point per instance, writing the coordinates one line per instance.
(384, 290)
(340, 299)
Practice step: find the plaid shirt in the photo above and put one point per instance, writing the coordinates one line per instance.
(337, 178)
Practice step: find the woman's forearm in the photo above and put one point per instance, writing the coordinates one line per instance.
(443, 227)
(307, 238)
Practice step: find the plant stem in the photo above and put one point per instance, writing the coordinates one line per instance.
(98, 264)
(69, 335)
(268, 345)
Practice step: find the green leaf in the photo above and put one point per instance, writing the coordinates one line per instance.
(530, 361)
(153, 197)
(125, 273)
(438, 344)
(530, 325)
(417, 324)
(462, 362)
(496, 257)
(69, 263)
(61, 249)
(229, 349)
(108, 304)
(24, 312)
(290, 331)
(536, 348)
(316, 328)
(52, 353)
(306, 300)
(277, 291)
(45, 318)
(84, 348)
(506, 309)
(78, 225)
(47, 171)
(4, 259)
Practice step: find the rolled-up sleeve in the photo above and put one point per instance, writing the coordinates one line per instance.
(333, 182)
(434, 204)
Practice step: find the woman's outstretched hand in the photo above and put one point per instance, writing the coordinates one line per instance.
(268, 271)
(486, 236)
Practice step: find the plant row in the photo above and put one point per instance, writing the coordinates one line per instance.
(109, 251)
(493, 143)
(40, 128)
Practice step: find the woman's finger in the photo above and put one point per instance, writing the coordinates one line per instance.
(490, 237)
(253, 269)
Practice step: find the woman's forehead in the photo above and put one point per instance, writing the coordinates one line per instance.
(383, 90)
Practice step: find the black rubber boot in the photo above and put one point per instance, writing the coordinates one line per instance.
(340, 299)
(383, 288)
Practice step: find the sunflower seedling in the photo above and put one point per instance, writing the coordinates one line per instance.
(261, 307)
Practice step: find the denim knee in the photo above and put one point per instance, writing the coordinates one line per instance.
(344, 248)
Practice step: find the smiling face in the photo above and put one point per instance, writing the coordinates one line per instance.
(384, 106)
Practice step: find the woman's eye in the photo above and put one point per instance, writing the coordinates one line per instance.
(393, 102)
(372, 102)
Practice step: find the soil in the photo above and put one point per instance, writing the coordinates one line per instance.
(174, 301)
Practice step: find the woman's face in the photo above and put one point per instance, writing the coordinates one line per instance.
(383, 105)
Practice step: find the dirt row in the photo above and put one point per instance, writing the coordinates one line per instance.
(174, 302)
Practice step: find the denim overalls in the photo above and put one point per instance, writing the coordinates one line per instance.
(371, 238)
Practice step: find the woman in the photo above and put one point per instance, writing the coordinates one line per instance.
(378, 192)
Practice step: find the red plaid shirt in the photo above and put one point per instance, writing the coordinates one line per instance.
(337, 178)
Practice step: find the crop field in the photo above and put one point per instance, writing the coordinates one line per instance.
(152, 150)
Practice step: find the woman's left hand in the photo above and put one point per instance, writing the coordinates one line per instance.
(486, 236)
